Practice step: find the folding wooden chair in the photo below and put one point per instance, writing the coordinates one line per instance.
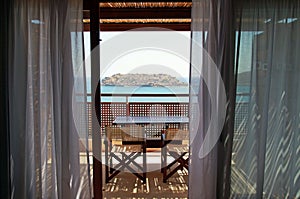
(122, 148)
(175, 145)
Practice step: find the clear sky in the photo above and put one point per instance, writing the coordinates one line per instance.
(153, 60)
(142, 60)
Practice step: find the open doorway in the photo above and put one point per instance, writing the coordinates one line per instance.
(147, 84)
(141, 77)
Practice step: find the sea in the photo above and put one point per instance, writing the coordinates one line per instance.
(242, 93)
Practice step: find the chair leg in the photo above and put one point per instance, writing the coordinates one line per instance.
(106, 174)
(163, 159)
(144, 163)
(126, 161)
(164, 166)
(106, 163)
(181, 163)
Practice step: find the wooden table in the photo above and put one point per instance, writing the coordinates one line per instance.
(151, 120)
(152, 142)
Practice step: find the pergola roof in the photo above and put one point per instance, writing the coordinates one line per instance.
(118, 16)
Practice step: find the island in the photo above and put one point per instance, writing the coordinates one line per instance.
(137, 79)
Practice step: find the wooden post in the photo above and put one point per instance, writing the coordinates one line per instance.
(95, 71)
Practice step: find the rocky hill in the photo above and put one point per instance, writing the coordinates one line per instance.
(142, 80)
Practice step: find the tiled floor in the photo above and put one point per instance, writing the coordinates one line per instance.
(126, 185)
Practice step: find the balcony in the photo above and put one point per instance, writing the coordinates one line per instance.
(120, 104)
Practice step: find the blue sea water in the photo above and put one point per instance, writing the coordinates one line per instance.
(242, 93)
(145, 90)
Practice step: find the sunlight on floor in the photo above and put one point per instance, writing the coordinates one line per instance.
(128, 186)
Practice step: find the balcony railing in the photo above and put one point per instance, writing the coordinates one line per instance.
(156, 105)
(143, 105)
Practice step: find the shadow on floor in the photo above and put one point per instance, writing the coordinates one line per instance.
(126, 185)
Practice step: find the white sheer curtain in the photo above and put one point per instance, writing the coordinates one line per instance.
(213, 88)
(267, 142)
(258, 156)
(48, 125)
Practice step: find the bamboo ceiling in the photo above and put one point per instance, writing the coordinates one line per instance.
(176, 15)
(146, 5)
(105, 21)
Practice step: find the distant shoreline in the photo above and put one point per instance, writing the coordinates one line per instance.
(142, 80)
(157, 86)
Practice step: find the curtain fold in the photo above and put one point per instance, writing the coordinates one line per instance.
(47, 94)
(213, 42)
(253, 44)
(267, 142)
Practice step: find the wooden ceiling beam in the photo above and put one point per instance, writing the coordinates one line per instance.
(139, 13)
(107, 1)
(142, 13)
(86, 3)
(125, 27)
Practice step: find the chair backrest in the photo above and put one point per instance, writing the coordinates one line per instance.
(133, 133)
(177, 134)
(113, 133)
(130, 133)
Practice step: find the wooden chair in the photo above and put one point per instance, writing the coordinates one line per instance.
(176, 145)
(122, 148)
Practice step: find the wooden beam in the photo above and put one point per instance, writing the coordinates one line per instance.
(142, 13)
(125, 27)
(95, 63)
(86, 3)
(107, 1)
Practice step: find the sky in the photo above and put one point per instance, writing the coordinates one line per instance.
(136, 58)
